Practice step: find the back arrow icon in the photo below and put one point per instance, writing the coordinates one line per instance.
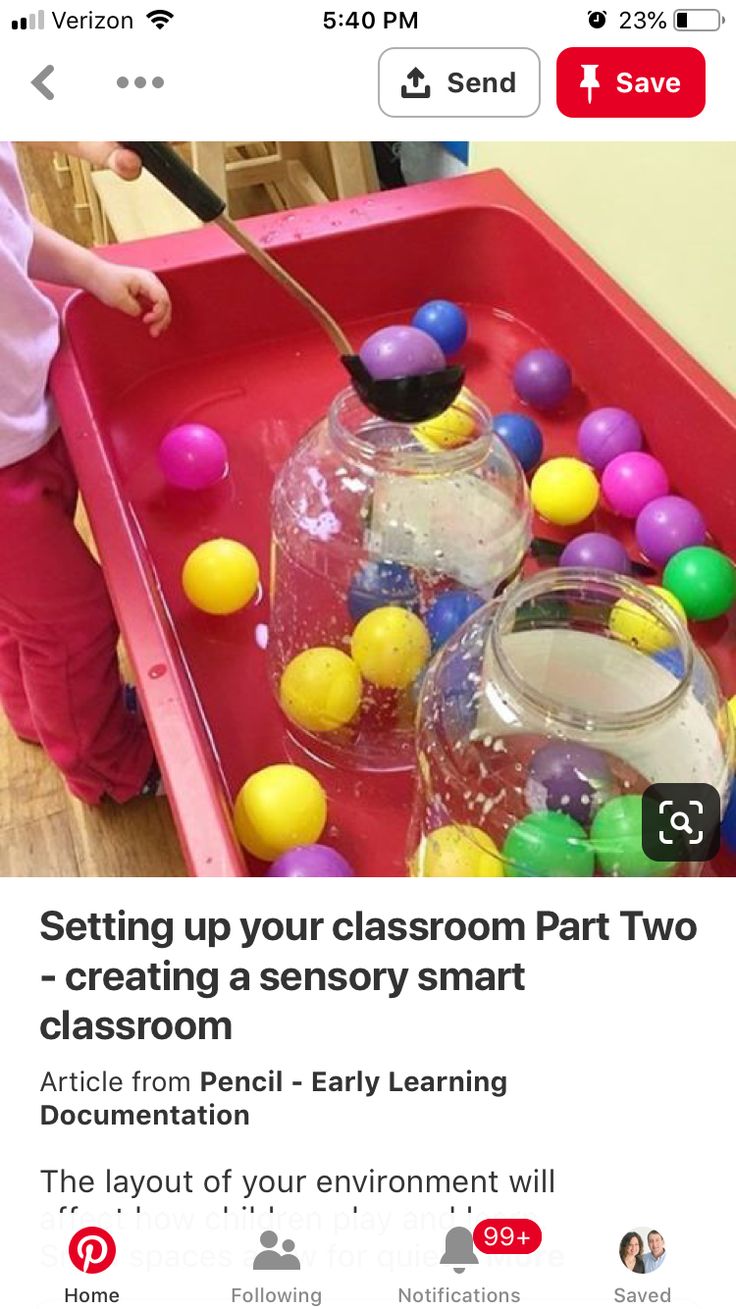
(40, 79)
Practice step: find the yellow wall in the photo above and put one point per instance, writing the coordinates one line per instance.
(660, 217)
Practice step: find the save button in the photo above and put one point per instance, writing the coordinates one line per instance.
(630, 82)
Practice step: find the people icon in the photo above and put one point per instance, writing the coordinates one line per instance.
(269, 1257)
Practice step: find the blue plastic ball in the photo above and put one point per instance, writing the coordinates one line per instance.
(449, 612)
(728, 826)
(672, 660)
(522, 436)
(445, 322)
(381, 583)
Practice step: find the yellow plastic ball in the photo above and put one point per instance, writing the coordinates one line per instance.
(565, 491)
(732, 710)
(391, 646)
(453, 428)
(458, 852)
(220, 576)
(321, 689)
(632, 623)
(278, 808)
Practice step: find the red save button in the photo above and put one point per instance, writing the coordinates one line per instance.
(625, 82)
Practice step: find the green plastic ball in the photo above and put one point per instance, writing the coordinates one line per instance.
(616, 837)
(704, 581)
(548, 844)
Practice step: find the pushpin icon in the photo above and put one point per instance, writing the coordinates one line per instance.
(590, 81)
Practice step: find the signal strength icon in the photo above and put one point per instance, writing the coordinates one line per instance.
(33, 23)
(160, 17)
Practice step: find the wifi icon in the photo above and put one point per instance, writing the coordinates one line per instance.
(160, 17)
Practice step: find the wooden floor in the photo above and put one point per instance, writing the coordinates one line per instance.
(43, 830)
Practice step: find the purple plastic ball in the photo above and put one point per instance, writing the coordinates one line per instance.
(606, 433)
(668, 525)
(311, 861)
(596, 550)
(401, 352)
(193, 457)
(631, 480)
(570, 779)
(543, 379)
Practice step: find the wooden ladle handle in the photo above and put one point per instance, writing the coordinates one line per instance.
(164, 163)
(289, 283)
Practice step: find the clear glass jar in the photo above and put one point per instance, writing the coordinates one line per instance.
(544, 720)
(367, 520)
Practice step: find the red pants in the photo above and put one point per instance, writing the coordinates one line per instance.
(59, 676)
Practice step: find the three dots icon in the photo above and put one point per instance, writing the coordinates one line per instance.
(140, 82)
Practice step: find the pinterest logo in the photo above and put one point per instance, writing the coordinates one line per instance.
(92, 1250)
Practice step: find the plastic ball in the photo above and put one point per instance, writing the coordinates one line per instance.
(596, 550)
(617, 835)
(448, 612)
(548, 844)
(543, 379)
(606, 433)
(451, 429)
(728, 826)
(457, 852)
(667, 525)
(401, 352)
(570, 779)
(732, 710)
(445, 322)
(311, 861)
(193, 457)
(220, 576)
(672, 660)
(321, 689)
(390, 647)
(379, 584)
(631, 480)
(635, 625)
(522, 436)
(278, 808)
(564, 491)
(704, 580)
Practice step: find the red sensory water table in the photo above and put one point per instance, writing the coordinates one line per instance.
(242, 357)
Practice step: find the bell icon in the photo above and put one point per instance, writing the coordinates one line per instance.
(459, 1249)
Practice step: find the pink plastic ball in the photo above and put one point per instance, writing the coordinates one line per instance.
(193, 457)
(401, 352)
(631, 480)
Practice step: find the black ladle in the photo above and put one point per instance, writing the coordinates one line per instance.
(400, 399)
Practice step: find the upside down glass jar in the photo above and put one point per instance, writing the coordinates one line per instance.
(383, 542)
(543, 722)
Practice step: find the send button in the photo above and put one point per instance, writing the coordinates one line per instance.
(477, 82)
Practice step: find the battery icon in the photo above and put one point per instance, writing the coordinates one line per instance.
(698, 20)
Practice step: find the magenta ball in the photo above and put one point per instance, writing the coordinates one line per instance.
(606, 433)
(631, 480)
(193, 456)
(311, 861)
(401, 352)
(596, 550)
(543, 379)
(668, 525)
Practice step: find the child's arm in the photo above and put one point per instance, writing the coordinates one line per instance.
(134, 291)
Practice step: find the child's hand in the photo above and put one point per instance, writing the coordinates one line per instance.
(134, 291)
